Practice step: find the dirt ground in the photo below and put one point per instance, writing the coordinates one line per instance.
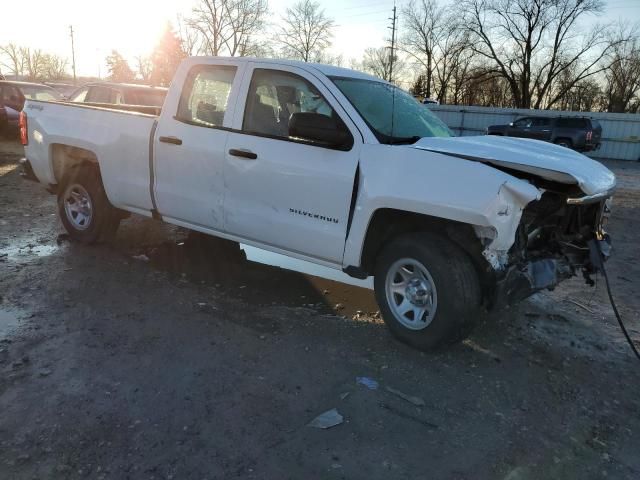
(198, 364)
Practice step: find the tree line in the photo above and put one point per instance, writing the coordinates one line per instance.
(500, 53)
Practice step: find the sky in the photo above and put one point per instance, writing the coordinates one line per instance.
(133, 26)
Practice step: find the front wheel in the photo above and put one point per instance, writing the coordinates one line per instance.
(84, 208)
(427, 289)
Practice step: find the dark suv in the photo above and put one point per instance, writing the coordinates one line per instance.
(578, 133)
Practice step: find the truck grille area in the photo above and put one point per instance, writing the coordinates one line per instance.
(551, 228)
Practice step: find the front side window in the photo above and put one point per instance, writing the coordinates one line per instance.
(522, 123)
(394, 116)
(206, 94)
(275, 96)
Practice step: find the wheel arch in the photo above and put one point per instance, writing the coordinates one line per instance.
(65, 157)
(387, 224)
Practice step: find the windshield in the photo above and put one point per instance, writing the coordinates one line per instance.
(40, 93)
(375, 101)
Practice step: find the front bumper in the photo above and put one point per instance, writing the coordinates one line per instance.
(26, 170)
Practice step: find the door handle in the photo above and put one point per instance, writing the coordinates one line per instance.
(243, 153)
(172, 140)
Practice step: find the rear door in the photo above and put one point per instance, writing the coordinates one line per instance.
(282, 191)
(540, 129)
(190, 146)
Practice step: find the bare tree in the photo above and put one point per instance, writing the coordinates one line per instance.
(144, 66)
(622, 77)
(425, 25)
(227, 26)
(12, 58)
(55, 67)
(377, 61)
(36, 63)
(189, 37)
(306, 31)
(532, 43)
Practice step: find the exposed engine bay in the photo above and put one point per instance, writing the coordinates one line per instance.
(556, 239)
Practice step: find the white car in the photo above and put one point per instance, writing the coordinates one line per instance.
(338, 168)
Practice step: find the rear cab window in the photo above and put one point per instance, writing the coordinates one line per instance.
(205, 96)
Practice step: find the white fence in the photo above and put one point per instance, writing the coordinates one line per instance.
(620, 131)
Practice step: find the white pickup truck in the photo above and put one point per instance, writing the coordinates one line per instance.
(338, 168)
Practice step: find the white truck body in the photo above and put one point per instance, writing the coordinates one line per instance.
(301, 199)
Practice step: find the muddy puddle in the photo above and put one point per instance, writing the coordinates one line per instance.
(15, 252)
(10, 321)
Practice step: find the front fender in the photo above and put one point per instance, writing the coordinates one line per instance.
(439, 186)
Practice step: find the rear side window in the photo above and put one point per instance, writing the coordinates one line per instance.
(573, 123)
(205, 95)
(541, 122)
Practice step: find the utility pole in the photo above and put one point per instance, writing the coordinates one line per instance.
(73, 55)
(393, 42)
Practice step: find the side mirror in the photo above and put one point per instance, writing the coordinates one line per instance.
(320, 128)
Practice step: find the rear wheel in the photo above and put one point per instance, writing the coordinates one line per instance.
(427, 289)
(84, 208)
(564, 142)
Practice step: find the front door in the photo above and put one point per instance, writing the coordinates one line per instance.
(521, 128)
(190, 148)
(284, 191)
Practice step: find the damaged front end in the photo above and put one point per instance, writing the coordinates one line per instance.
(559, 235)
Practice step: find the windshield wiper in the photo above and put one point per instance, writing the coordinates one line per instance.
(403, 140)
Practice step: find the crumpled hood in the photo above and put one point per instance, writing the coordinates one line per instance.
(543, 159)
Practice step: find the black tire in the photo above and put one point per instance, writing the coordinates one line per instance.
(104, 219)
(564, 142)
(457, 289)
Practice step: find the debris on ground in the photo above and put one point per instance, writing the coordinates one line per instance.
(344, 395)
(328, 419)
(141, 257)
(581, 305)
(417, 401)
(370, 383)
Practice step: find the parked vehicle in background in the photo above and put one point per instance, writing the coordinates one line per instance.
(578, 133)
(107, 93)
(335, 167)
(12, 98)
(66, 89)
(430, 101)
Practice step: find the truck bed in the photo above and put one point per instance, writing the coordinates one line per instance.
(60, 129)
